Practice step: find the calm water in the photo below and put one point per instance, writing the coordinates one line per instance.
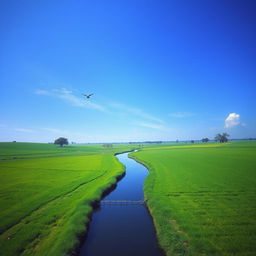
(123, 229)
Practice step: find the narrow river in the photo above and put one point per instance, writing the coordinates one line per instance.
(123, 229)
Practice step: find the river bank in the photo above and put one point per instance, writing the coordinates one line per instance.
(123, 229)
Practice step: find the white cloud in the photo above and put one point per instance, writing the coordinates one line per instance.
(182, 114)
(136, 111)
(24, 130)
(69, 97)
(232, 120)
(153, 126)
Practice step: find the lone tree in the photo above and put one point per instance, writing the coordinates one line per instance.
(61, 141)
(222, 137)
(107, 145)
(205, 139)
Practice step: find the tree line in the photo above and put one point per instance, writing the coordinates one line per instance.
(219, 137)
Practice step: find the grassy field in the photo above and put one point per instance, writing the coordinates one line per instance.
(46, 192)
(203, 197)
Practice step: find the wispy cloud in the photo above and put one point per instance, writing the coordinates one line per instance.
(24, 130)
(43, 92)
(62, 132)
(232, 120)
(54, 130)
(136, 112)
(3, 125)
(182, 114)
(70, 98)
(153, 126)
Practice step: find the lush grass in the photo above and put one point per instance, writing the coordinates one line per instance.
(45, 196)
(9, 151)
(203, 197)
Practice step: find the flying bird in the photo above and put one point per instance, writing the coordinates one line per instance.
(87, 96)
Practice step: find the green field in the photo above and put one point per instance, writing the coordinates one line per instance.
(46, 192)
(203, 197)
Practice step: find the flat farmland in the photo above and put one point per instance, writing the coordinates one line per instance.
(203, 197)
(46, 194)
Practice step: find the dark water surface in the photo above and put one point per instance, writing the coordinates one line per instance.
(123, 229)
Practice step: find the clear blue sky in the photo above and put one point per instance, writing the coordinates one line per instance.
(159, 70)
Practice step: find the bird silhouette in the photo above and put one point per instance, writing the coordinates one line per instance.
(87, 96)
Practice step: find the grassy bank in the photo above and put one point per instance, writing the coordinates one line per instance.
(203, 197)
(46, 194)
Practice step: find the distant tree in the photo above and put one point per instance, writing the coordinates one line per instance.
(205, 139)
(177, 141)
(107, 145)
(192, 141)
(222, 137)
(225, 137)
(218, 137)
(61, 141)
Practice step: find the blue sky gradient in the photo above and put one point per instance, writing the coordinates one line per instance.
(159, 70)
